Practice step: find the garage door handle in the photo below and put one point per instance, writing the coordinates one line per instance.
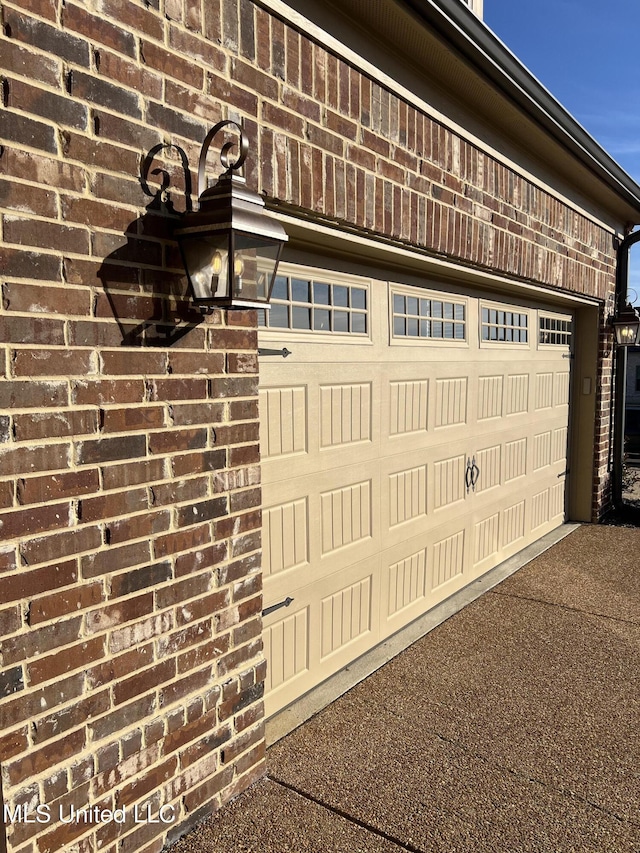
(284, 352)
(274, 607)
(475, 473)
(468, 475)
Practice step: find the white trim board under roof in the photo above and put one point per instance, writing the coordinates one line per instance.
(438, 55)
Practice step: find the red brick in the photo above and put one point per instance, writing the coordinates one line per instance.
(58, 108)
(192, 683)
(20, 264)
(183, 540)
(106, 391)
(59, 604)
(236, 386)
(246, 455)
(27, 199)
(120, 363)
(31, 166)
(44, 362)
(28, 460)
(52, 666)
(41, 640)
(112, 559)
(67, 485)
(31, 298)
(46, 757)
(174, 122)
(13, 743)
(18, 60)
(147, 577)
(23, 522)
(96, 214)
(95, 152)
(145, 681)
(98, 30)
(28, 132)
(196, 463)
(185, 414)
(179, 491)
(178, 389)
(111, 616)
(30, 703)
(170, 65)
(198, 49)
(179, 591)
(197, 796)
(194, 363)
(195, 103)
(207, 653)
(97, 90)
(45, 235)
(119, 129)
(176, 440)
(56, 424)
(10, 620)
(134, 473)
(112, 505)
(97, 451)
(131, 419)
(239, 568)
(56, 546)
(138, 526)
(49, 39)
(123, 717)
(136, 18)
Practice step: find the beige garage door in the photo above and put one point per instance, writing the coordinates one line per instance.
(411, 440)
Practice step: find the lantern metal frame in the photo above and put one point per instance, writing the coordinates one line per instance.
(231, 245)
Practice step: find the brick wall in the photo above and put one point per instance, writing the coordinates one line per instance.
(129, 466)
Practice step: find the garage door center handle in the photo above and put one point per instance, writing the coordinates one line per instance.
(471, 474)
(468, 475)
(475, 473)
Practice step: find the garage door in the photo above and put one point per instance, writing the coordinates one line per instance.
(412, 439)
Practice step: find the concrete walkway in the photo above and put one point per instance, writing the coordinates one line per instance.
(514, 726)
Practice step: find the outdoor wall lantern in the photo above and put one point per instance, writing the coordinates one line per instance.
(230, 246)
(626, 324)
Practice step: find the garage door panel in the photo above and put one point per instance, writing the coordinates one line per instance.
(396, 470)
(330, 622)
(283, 421)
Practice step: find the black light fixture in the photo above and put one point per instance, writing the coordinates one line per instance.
(626, 324)
(231, 245)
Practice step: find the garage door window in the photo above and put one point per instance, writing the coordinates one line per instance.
(500, 326)
(554, 331)
(434, 319)
(307, 304)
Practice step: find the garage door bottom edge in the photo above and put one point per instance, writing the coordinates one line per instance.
(294, 715)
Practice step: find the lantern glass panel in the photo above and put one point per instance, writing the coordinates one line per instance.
(255, 262)
(627, 334)
(206, 260)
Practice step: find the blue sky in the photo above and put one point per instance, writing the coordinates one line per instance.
(587, 54)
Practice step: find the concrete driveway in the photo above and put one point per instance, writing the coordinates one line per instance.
(513, 726)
